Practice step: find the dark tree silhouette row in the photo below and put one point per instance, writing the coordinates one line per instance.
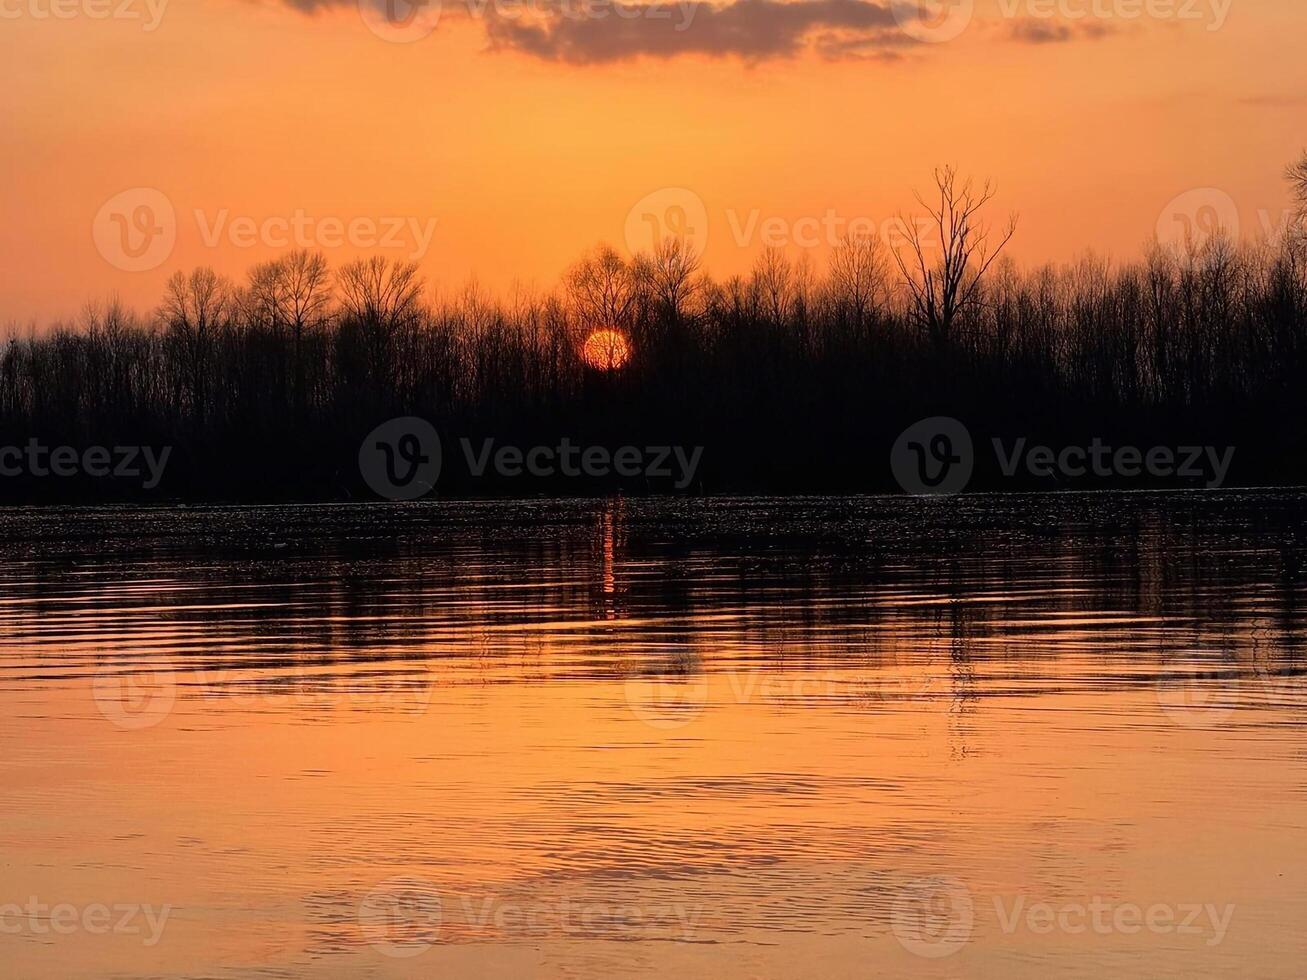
(792, 378)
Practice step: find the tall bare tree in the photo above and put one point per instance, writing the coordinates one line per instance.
(1297, 177)
(670, 274)
(944, 287)
(1296, 174)
(601, 290)
(195, 308)
(774, 275)
(859, 274)
(382, 301)
(377, 293)
(294, 293)
(261, 300)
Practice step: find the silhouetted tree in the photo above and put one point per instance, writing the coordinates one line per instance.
(670, 275)
(944, 286)
(195, 308)
(777, 373)
(380, 301)
(602, 290)
(859, 275)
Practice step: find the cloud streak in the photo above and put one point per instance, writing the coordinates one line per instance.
(753, 30)
(1031, 31)
(605, 31)
(588, 32)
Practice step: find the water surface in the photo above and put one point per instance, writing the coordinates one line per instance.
(990, 736)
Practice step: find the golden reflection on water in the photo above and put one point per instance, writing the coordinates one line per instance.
(824, 739)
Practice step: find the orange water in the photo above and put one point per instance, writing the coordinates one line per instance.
(823, 738)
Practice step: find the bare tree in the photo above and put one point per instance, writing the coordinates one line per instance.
(859, 273)
(261, 301)
(380, 294)
(381, 302)
(195, 308)
(1296, 174)
(293, 293)
(670, 274)
(943, 288)
(774, 277)
(601, 289)
(307, 291)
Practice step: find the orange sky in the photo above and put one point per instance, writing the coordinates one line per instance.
(251, 110)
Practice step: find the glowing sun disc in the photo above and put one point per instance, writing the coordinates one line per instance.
(606, 350)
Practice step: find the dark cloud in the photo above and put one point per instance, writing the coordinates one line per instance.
(753, 30)
(597, 31)
(834, 46)
(600, 31)
(1042, 31)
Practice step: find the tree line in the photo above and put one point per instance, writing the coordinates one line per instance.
(793, 378)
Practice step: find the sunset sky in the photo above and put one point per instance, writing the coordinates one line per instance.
(510, 139)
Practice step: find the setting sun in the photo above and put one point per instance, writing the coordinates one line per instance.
(606, 350)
